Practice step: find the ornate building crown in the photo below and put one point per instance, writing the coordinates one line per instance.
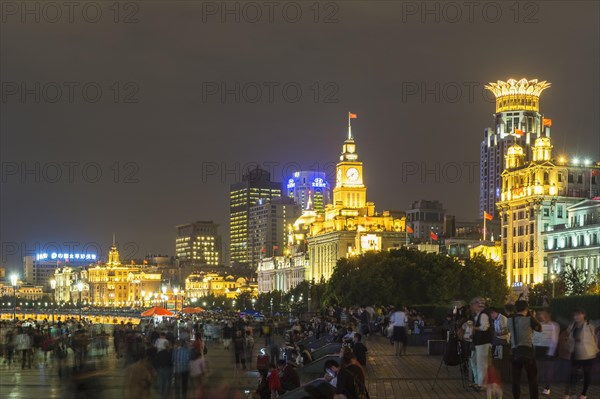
(520, 95)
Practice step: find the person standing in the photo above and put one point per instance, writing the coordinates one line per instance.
(501, 334)
(545, 343)
(399, 336)
(584, 349)
(23, 346)
(181, 369)
(248, 348)
(164, 367)
(482, 340)
(359, 349)
(521, 326)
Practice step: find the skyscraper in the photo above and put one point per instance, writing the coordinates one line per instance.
(256, 184)
(199, 243)
(310, 190)
(517, 121)
(268, 227)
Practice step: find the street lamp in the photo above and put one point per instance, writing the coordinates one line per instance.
(553, 277)
(175, 291)
(13, 280)
(53, 287)
(80, 289)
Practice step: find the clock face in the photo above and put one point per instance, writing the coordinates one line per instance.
(352, 174)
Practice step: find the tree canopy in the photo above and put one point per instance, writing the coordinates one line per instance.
(415, 277)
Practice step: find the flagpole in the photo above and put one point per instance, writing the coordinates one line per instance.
(349, 128)
(484, 225)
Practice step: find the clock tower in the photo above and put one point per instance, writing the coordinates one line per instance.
(349, 191)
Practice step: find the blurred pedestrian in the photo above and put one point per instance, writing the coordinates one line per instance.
(584, 349)
(545, 343)
(181, 369)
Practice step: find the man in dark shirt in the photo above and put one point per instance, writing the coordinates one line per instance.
(350, 377)
(359, 349)
(288, 376)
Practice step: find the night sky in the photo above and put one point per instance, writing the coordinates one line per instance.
(163, 134)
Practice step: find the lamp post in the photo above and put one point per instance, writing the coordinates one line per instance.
(80, 289)
(271, 307)
(53, 286)
(553, 277)
(13, 280)
(164, 292)
(175, 291)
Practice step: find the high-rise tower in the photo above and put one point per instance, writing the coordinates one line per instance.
(517, 121)
(255, 185)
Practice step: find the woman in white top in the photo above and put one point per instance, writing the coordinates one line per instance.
(545, 343)
(584, 349)
(399, 337)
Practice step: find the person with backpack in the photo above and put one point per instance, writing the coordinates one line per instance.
(521, 326)
(350, 378)
(483, 335)
(584, 349)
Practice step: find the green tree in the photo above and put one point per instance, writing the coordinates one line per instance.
(483, 277)
(575, 280)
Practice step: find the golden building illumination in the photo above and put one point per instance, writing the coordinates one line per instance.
(350, 226)
(534, 199)
(200, 284)
(117, 285)
(517, 95)
(489, 250)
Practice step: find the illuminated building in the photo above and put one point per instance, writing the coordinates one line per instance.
(115, 284)
(255, 185)
(66, 279)
(199, 285)
(198, 243)
(268, 227)
(310, 190)
(350, 226)
(39, 268)
(424, 217)
(517, 121)
(25, 291)
(489, 250)
(576, 242)
(282, 272)
(535, 197)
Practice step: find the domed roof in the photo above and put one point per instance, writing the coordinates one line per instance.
(307, 217)
(515, 149)
(542, 142)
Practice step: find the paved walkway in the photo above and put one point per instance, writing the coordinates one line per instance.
(388, 376)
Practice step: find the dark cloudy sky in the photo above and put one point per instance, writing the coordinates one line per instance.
(161, 131)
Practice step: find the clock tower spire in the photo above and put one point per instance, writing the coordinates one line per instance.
(349, 191)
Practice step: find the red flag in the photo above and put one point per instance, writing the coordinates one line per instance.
(433, 235)
(352, 116)
(595, 172)
(547, 122)
(487, 216)
(263, 249)
(409, 230)
(275, 247)
(519, 132)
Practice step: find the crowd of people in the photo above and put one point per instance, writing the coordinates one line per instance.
(167, 358)
(530, 340)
